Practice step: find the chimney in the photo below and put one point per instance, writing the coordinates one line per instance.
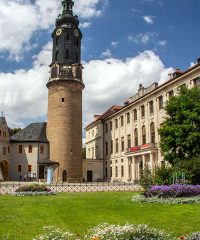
(177, 73)
(126, 103)
(170, 76)
(96, 117)
(198, 61)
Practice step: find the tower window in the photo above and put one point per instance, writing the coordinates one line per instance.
(67, 54)
(67, 37)
(77, 58)
(56, 58)
(19, 168)
(63, 100)
(57, 41)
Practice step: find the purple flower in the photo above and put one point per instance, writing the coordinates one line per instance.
(176, 190)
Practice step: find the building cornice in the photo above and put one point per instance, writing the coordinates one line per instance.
(162, 86)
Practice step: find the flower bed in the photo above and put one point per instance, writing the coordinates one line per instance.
(173, 191)
(155, 199)
(126, 232)
(53, 233)
(33, 190)
(114, 232)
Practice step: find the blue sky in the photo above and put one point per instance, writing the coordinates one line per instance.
(125, 42)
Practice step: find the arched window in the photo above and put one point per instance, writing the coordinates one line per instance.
(136, 137)
(143, 135)
(67, 54)
(152, 132)
(64, 176)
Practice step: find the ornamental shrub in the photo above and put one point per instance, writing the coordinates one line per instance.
(20, 194)
(173, 191)
(163, 175)
(146, 179)
(33, 188)
(126, 232)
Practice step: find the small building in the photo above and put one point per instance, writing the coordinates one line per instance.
(5, 150)
(30, 154)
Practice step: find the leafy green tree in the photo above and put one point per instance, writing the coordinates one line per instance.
(180, 133)
(14, 131)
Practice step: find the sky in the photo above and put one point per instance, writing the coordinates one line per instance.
(125, 43)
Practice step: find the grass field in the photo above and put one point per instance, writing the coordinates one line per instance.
(24, 217)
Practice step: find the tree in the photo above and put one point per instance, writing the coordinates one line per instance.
(180, 133)
(14, 131)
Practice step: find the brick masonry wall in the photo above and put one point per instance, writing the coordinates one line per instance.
(64, 127)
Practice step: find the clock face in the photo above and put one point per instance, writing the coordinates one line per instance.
(76, 32)
(58, 32)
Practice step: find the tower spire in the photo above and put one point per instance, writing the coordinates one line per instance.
(67, 7)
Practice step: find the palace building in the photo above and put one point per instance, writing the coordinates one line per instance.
(125, 139)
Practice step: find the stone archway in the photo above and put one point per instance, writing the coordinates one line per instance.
(4, 169)
(64, 176)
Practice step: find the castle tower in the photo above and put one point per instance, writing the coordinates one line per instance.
(64, 125)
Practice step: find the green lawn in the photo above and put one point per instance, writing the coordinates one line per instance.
(24, 217)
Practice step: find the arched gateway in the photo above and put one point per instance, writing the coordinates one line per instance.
(4, 170)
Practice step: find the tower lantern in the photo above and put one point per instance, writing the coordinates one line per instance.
(67, 6)
(64, 125)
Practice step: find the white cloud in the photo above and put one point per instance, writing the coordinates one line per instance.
(85, 25)
(23, 94)
(89, 8)
(24, 19)
(115, 43)
(106, 54)
(143, 38)
(192, 64)
(160, 2)
(20, 19)
(148, 19)
(162, 43)
(112, 81)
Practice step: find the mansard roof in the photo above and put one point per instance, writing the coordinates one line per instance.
(35, 132)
